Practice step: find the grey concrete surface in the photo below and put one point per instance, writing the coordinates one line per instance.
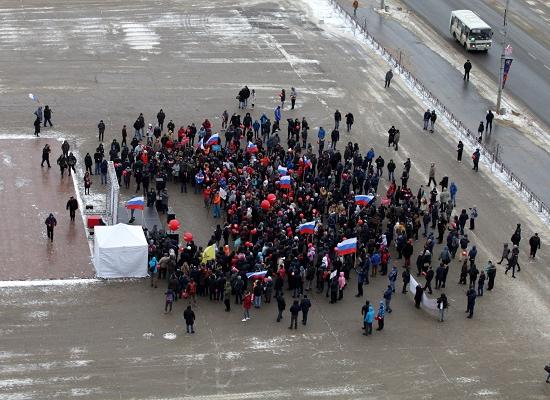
(112, 60)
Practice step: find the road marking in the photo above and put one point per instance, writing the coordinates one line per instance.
(532, 56)
(547, 67)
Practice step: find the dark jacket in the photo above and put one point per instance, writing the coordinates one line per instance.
(189, 316)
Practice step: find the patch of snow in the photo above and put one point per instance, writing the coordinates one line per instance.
(148, 335)
(39, 315)
(47, 282)
(487, 392)
(169, 336)
(465, 379)
(21, 182)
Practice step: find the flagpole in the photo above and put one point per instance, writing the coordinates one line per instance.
(502, 57)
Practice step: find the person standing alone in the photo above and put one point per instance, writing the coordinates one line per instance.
(355, 5)
(47, 115)
(389, 76)
(467, 68)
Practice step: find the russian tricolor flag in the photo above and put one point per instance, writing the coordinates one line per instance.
(307, 163)
(285, 182)
(347, 246)
(212, 140)
(251, 148)
(282, 170)
(363, 199)
(256, 275)
(307, 229)
(136, 203)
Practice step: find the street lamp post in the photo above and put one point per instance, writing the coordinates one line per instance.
(502, 56)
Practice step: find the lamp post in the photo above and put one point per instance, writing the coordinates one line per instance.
(502, 56)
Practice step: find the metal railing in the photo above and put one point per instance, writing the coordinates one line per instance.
(461, 128)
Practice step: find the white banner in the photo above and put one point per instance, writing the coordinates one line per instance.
(428, 303)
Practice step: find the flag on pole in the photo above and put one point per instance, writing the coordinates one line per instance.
(307, 228)
(282, 170)
(285, 182)
(212, 140)
(363, 199)
(33, 97)
(255, 275)
(251, 148)
(347, 246)
(507, 65)
(136, 203)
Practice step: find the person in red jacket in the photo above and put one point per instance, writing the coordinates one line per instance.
(247, 304)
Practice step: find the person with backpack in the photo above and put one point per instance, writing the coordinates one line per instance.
(305, 305)
(189, 317)
(442, 305)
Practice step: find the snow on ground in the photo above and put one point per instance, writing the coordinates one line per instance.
(484, 84)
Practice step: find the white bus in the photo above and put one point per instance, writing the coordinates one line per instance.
(470, 30)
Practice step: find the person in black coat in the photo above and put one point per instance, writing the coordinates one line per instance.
(189, 317)
(88, 163)
(429, 277)
(101, 130)
(305, 305)
(51, 222)
(294, 311)
(406, 275)
(534, 244)
(471, 295)
(72, 206)
(37, 127)
(160, 118)
(467, 68)
(418, 296)
(459, 151)
(281, 305)
(47, 115)
(46, 155)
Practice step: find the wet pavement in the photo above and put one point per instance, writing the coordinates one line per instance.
(28, 194)
(527, 157)
(112, 340)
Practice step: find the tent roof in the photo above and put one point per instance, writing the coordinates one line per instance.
(119, 235)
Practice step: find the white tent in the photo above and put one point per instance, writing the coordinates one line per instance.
(120, 251)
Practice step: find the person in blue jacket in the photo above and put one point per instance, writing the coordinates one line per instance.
(256, 127)
(453, 189)
(368, 321)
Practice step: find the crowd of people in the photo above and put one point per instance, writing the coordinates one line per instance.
(287, 208)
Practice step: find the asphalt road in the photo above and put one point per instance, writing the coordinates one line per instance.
(528, 34)
(117, 58)
(521, 153)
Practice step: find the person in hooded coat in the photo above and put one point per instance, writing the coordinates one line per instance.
(368, 320)
(380, 315)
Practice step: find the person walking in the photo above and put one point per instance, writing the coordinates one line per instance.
(534, 245)
(51, 223)
(337, 119)
(305, 305)
(281, 305)
(294, 311)
(189, 317)
(62, 162)
(442, 305)
(516, 236)
(72, 206)
(475, 159)
(429, 277)
(292, 98)
(37, 127)
(247, 305)
(480, 130)
(282, 97)
(433, 117)
(473, 216)
(396, 139)
(380, 316)
(471, 295)
(431, 175)
(46, 155)
(47, 115)
(389, 76)
(355, 5)
(491, 271)
(427, 116)
(489, 121)
(467, 68)
(101, 130)
(124, 134)
(505, 254)
(87, 183)
(71, 163)
(349, 121)
(459, 151)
